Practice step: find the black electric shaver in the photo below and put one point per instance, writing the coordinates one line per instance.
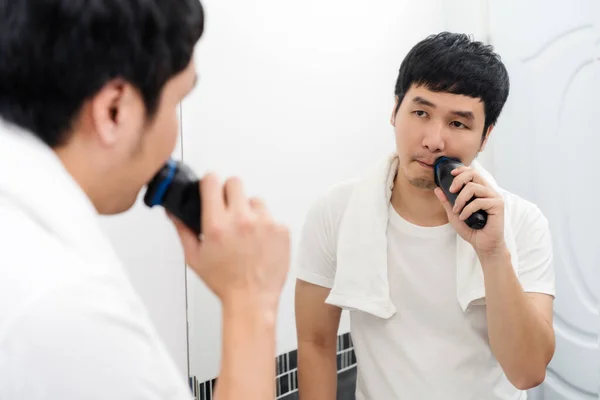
(175, 187)
(443, 178)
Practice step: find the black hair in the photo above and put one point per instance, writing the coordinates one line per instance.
(56, 54)
(453, 63)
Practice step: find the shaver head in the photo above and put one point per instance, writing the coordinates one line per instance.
(160, 183)
(175, 187)
(442, 172)
(442, 166)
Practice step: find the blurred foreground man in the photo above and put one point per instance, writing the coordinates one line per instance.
(88, 98)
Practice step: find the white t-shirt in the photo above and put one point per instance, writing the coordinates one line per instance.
(71, 325)
(430, 349)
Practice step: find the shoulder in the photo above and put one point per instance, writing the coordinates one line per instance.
(328, 210)
(316, 256)
(30, 249)
(88, 333)
(32, 254)
(37, 264)
(525, 216)
(534, 245)
(65, 317)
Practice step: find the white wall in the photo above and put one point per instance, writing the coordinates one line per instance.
(293, 97)
(545, 151)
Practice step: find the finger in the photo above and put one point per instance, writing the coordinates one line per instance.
(459, 170)
(485, 204)
(443, 199)
(465, 176)
(234, 192)
(259, 207)
(468, 192)
(461, 179)
(190, 242)
(213, 203)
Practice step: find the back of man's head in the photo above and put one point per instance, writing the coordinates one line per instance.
(453, 63)
(56, 54)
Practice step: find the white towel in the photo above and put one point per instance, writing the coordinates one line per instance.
(361, 279)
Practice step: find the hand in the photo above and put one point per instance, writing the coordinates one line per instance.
(490, 239)
(244, 255)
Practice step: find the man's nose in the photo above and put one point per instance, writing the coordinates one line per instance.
(433, 138)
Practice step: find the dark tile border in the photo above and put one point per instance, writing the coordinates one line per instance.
(286, 379)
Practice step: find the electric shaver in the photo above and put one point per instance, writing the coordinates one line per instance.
(443, 178)
(176, 188)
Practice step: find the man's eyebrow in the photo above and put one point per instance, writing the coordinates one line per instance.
(422, 101)
(464, 114)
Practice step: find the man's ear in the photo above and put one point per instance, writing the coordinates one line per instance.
(486, 137)
(395, 111)
(106, 107)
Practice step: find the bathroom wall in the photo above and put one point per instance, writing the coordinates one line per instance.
(544, 151)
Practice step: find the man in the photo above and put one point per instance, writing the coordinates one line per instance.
(425, 336)
(88, 98)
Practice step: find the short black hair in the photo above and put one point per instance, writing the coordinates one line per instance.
(454, 63)
(56, 54)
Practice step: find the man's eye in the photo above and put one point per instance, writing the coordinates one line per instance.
(420, 113)
(459, 125)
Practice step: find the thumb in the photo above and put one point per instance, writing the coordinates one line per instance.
(444, 200)
(190, 242)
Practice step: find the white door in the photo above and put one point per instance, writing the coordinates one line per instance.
(546, 148)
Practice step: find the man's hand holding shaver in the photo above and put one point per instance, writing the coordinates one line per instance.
(519, 323)
(490, 239)
(243, 257)
(243, 254)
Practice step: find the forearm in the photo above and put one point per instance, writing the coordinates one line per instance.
(520, 338)
(317, 371)
(248, 345)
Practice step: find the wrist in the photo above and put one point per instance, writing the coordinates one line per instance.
(497, 255)
(248, 342)
(256, 309)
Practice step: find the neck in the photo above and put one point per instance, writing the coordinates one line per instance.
(418, 206)
(78, 169)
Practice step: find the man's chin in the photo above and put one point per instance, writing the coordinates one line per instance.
(423, 183)
(118, 207)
